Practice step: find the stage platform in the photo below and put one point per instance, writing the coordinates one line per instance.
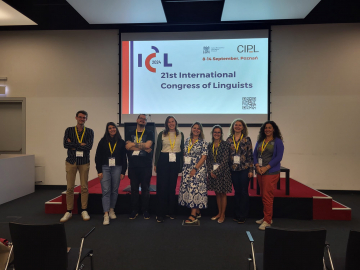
(302, 203)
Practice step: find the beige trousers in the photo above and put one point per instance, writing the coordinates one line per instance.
(71, 170)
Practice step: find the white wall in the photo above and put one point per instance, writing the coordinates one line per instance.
(315, 97)
(316, 102)
(59, 73)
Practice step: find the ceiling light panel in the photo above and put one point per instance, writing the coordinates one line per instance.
(10, 16)
(244, 10)
(120, 11)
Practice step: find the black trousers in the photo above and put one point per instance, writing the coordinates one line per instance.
(240, 182)
(140, 176)
(167, 175)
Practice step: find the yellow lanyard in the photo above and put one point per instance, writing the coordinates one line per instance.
(215, 153)
(262, 146)
(172, 145)
(237, 145)
(77, 135)
(112, 151)
(137, 139)
(191, 145)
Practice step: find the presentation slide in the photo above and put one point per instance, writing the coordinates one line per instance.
(222, 77)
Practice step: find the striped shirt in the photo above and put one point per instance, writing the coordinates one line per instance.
(74, 145)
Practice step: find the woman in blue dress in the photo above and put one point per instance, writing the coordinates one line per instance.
(193, 191)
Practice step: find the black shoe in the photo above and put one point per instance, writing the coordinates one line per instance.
(171, 216)
(236, 219)
(133, 215)
(146, 215)
(241, 220)
(159, 219)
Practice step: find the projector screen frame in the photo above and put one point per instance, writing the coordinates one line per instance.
(120, 124)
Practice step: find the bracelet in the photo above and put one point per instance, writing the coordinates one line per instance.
(195, 168)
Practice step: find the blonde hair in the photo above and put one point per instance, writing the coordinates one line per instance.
(244, 131)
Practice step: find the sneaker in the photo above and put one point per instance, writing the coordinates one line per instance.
(133, 215)
(85, 216)
(112, 214)
(260, 221)
(146, 215)
(242, 220)
(171, 216)
(264, 225)
(66, 217)
(106, 220)
(159, 219)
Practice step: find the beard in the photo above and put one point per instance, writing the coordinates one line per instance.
(141, 125)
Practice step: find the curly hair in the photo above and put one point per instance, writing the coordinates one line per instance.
(277, 133)
(244, 131)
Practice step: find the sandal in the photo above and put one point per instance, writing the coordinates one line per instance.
(190, 221)
(215, 218)
(198, 215)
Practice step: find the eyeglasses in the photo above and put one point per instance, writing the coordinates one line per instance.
(215, 132)
(143, 118)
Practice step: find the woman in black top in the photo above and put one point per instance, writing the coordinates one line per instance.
(111, 165)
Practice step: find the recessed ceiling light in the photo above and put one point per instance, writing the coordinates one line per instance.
(10, 16)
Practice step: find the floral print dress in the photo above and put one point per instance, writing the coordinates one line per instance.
(193, 191)
(222, 183)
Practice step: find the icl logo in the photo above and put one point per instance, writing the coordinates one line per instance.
(154, 62)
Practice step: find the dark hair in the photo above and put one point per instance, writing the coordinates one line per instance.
(201, 136)
(107, 136)
(142, 114)
(277, 133)
(83, 112)
(212, 137)
(244, 131)
(166, 130)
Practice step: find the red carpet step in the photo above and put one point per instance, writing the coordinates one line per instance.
(323, 206)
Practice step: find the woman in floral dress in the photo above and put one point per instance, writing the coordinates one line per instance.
(193, 191)
(218, 171)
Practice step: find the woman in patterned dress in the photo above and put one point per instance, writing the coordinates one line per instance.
(241, 167)
(193, 192)
(218, 171)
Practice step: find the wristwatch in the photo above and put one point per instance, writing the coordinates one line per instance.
(195, 168)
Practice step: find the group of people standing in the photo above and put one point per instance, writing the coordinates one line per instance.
(214, 166)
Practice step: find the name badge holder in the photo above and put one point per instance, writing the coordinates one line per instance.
(187, 160)
(215, 166)
(260, 162)
(172, 157)
(136, 153)
(79, 154)
(111, 161)
(237, 159)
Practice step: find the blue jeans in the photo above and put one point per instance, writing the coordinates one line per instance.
(110, 186)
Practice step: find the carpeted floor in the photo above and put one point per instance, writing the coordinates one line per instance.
(145, 244)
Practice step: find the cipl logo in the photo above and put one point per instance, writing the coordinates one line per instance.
(247, 49)
(154, 62)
